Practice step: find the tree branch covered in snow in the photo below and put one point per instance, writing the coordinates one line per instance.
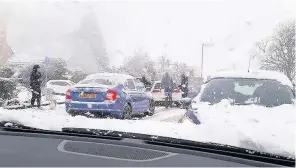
(279, 51)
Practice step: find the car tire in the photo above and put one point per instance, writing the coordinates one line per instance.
(127, 112)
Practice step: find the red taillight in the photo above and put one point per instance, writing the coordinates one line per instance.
(155, 91)
(68, 94)
(176, 91)
(111, 95)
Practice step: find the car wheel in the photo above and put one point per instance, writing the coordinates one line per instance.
(127, 111)
(151, 108)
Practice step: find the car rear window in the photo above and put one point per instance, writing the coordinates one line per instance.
(159, 86)
(247, 91)
(97, 82)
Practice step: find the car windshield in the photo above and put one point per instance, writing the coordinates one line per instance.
(110, 65)
(247, 91)
(159, 86)
(139, 84)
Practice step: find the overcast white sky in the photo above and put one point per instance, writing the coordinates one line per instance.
(149, 25)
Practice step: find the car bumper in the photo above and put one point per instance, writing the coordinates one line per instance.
(102, 108)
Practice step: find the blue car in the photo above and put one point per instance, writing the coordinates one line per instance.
(263, 88)
(109, 94)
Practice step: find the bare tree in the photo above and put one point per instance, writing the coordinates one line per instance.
(140, 64)
(279, 52)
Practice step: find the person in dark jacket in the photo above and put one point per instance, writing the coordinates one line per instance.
(184, 85)
(35, 83)
(168, 85)
(145, 82)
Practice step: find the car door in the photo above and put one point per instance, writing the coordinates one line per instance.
(134, 94)
(144, 99)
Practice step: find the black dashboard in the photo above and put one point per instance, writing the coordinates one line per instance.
(40, 150)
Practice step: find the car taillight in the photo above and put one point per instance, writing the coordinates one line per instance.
(111, 95)
(176, 91)
(68, 94)
(155, 91)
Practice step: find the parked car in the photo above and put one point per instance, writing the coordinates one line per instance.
(109, 94)
(59, 87)
(262, 88)
(157, 92)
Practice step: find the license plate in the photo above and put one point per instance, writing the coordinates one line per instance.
(88, 96)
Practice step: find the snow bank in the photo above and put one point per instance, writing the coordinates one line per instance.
(264, 129)
(269, 130)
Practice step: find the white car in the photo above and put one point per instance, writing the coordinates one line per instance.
(58, 87)
(157, 92)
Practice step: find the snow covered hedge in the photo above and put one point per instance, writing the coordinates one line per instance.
(7, 89)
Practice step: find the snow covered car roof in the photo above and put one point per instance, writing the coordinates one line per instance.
(116, 77)
(257, 74)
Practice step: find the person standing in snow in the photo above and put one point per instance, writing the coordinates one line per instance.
(145, 82)
(35, 83)
(168, 85)
(184, 85)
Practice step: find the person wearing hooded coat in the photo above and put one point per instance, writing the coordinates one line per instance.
(184, 85)
(35, 83)
(168, 85)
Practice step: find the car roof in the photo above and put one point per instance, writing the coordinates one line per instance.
(117, 77)
(255, 74)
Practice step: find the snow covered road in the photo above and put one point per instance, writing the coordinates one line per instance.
(166, 115)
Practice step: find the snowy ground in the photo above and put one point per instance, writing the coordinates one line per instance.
(269, 130)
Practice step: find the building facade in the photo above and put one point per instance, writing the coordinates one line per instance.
(5, 50)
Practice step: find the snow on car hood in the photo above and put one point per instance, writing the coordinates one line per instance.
(269, 130)
(256, 127)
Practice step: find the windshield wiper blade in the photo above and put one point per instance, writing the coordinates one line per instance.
(17, 127)
(191, 145)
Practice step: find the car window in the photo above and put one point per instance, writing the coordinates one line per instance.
(129, 84)
(139, 84)
(97, 81)
(247, 91)
(157, 86)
